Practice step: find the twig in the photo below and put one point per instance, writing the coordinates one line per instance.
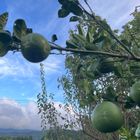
(57, 53)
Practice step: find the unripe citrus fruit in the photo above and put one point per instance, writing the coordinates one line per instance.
(135, 92)
(107, 117)
(106, 65)
(35, 48)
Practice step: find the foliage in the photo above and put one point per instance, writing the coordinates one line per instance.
(90, 79)
(64, 134)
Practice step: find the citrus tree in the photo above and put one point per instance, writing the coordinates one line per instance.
(96, 81)
(102, 80)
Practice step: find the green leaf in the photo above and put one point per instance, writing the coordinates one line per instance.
(80, 30)
(62, 1)
(54, 38)
(79, 38)
(70, 44)
(106, 25)
(76, 10)
(20, 28)
(62, 13)
(106, 65)
(3, 20)
(110, 94)
(100, 39)
(118, 71)
(74, 18)
(135, 69)
(73, 7)
(29, 30)
(129, 103)
(87, 87)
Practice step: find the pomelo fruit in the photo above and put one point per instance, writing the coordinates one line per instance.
(35, 48)
(135, 92)
(107, 117)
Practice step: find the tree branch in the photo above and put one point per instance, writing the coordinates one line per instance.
(85, 132)
(89, 52)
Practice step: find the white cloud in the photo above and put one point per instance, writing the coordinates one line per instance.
(17, 66)
(17, 116)
(12, 112)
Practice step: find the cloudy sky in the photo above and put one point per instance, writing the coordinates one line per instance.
(20, 79)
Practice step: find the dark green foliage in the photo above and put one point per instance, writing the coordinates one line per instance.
(110, 94)
(129, 103)
(20, 28)
(70, 44)
(64, 135)
(74, 18)
(62, 1)
(54, 38)
(69, 6)
(62, 13)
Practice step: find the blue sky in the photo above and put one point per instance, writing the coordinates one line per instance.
(20, 79)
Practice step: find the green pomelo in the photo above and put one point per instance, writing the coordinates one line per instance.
(135, 92)
(35, 48)
(107, 117)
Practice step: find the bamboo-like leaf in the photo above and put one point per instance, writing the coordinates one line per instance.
(3, 20)
(70, 44)
(80, 30)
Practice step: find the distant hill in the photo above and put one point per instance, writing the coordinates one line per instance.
(36, 135)
(56, 134)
